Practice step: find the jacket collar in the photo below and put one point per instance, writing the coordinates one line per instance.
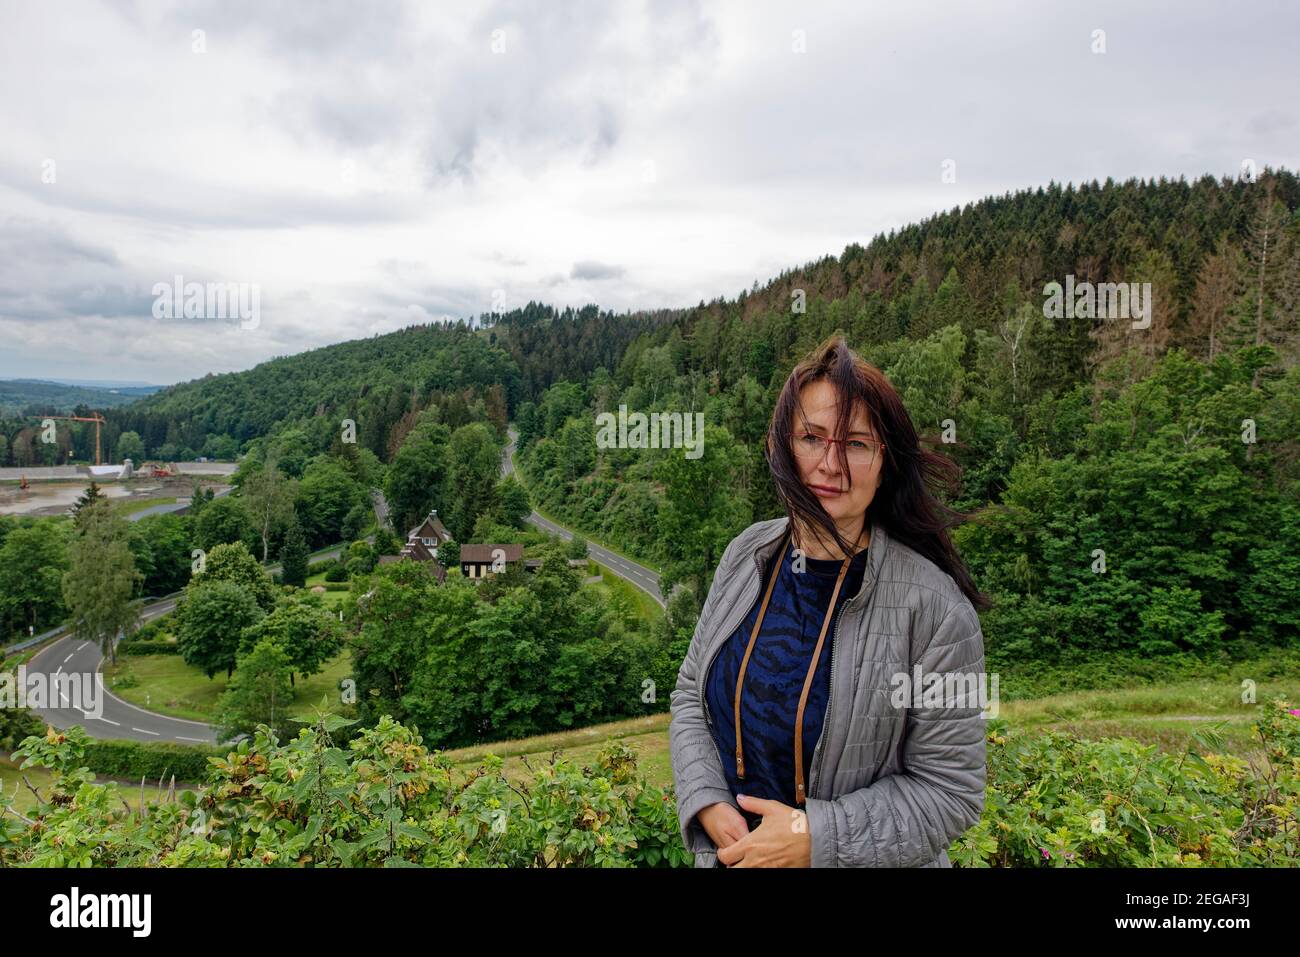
(765, 546)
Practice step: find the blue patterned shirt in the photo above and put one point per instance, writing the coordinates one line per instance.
(775, 675)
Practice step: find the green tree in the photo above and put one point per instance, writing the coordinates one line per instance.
(260, 692)
(326, 494)
(161, 546)
(386, 543)
(223, 521)
(293, 556)
(475, 461)
(417, 478)
(99, 585)
(130, 446)
(91, 496)
(33, 559)
(235, 563)
(211, 619)
(700, 513)
(361, 559)
(307, 631)
(268, 496)
(513, 504)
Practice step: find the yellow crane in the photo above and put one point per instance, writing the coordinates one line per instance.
(97, 419)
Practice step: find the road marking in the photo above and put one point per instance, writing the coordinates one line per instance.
(147, 731)
(116, 724)
(181, 737)
(69, 658)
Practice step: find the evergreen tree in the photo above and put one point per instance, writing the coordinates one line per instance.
(293, 556)
(90, 497)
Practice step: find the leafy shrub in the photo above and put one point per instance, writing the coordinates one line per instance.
(150, 759)
(126, 677)
(148, 648)
(156, 630)
(384, 799)
(1054, 800)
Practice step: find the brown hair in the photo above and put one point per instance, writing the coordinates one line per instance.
(906, 503)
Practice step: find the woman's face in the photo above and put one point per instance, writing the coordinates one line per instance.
(843, 500)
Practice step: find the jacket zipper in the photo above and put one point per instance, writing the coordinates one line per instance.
(703, 677)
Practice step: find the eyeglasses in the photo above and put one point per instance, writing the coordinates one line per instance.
(810, 445)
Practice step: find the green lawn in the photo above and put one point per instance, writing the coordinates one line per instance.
(169, 686)
(332, 599)
(11, 779)
(611, 583)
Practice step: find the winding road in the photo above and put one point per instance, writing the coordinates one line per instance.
(644, 578)
(121, 719)
(116, 718)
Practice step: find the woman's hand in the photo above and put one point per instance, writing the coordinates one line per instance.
(723, 823)
(782, 840)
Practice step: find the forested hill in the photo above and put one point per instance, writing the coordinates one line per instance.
(1096, 231)
(381, 382)
(1200, 244)
(1137, 484)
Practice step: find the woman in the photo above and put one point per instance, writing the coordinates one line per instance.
(797, 739)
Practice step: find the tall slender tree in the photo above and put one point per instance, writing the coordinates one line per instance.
(99, 585)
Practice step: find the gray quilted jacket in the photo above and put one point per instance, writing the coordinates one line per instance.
(889, 786)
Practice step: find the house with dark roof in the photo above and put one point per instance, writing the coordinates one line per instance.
(430, 533)
(484, 561)
(422, 545)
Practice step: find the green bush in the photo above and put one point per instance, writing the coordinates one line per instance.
(134, 647)
(337, 573)
(1055, 800)
(125, 677)
(156, 630)
(382, 799)
(17, 724)
(337, 586)
(149, 759)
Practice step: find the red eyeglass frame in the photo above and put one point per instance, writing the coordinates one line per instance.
(834, 442)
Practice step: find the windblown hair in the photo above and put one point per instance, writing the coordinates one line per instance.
(907, 503)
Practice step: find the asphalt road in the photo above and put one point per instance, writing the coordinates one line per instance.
(120, 719)
(639, 575)
(174, 507)
(116, 718)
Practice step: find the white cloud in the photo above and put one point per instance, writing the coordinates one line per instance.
(373, 168)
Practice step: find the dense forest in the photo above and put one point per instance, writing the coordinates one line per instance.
(1129, 487)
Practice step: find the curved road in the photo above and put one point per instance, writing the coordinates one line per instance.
(120, 719)
(117, 718)
(639, 575)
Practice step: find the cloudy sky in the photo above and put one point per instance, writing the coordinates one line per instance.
(367, 171)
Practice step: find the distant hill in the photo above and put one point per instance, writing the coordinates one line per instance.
(971, 266)
(44, 395)
(380, 382)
